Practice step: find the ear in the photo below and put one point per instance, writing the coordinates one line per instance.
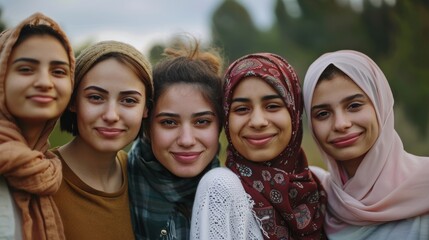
(145, 112)
(72, 107)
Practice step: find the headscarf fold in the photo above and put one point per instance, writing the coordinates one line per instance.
(32, 174)
(389, 184)
(283, 188)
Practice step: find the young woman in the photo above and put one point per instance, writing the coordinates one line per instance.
(112, 90)
(268, 192)
(36, 79)
(375, 189)
(180, 143)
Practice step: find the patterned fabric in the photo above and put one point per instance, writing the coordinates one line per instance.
(289, 201)
(390, 184)
(34, 174)
(161, 203)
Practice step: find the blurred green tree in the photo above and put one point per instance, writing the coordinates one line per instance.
(234, 31)
(2, 23)
(407, 64)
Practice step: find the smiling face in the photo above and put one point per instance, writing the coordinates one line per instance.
(259, 122)
(344, 121)
(184, 131)
(110, 106)
(38, 82)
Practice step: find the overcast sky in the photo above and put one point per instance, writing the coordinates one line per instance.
(138, 22)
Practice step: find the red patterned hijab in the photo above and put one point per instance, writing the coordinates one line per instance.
(288, 200)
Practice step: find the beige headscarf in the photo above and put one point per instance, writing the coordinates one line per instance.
(390, 184)
(35, 174)
(92, 54)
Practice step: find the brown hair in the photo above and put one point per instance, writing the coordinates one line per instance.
(189, 64)
(330, 72)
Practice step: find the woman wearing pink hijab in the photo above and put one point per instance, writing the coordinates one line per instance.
(376, 190)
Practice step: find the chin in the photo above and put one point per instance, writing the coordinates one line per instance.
(187, 174)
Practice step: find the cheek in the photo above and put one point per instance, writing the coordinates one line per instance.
(161, 139)
(134, 118)
(319, 131)
(235, 124)
(210, 137)
(64, 89)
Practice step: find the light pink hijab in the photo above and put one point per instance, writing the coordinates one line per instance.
(390, 184)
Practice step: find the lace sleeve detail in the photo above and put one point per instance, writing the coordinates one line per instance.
(222, 209)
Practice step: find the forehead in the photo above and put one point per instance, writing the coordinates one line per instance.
(335, 89)
(41, 46)
(182, 97)
(252, 87)
(113, 75)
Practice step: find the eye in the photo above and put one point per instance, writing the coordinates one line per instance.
(130, 101)
(355, 106)
(25, 69)
(273, 107)
(240, 110)
(321, 115)
(60, 72)
(203, 122)
(168, 123)
(95, 98)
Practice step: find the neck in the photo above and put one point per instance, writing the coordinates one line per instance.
(102, 171)
(31, 132)
(350, 166)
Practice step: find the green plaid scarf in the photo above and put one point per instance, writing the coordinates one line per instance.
(160, 201)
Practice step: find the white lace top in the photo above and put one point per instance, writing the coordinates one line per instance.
(222, 209)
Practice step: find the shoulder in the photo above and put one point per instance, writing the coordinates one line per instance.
(220, 175)
(122, 157)
(320, 173)
(222, 181)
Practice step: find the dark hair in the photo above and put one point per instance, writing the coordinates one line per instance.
(30, 30)
(68, 120)
(330, 72)
(187, 64)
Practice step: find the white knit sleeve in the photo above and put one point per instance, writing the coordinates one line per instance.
(222, 209)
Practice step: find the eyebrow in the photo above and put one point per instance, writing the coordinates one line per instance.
(264, 98)
(194, 115)
(346, 99)
(35, 61)
(99, 89)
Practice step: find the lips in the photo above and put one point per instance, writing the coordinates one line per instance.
(345, 141)
(41, 98)
(109, 132)
(186, 157)
(259, 140)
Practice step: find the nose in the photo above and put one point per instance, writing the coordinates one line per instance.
(186, 137)
(258, 119)
(342, 122)
(44, 80)
(111, 113)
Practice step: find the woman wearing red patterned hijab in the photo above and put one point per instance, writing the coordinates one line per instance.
(263, 108)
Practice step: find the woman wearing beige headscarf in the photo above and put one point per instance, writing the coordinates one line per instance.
(112, 90)
(36, 79)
